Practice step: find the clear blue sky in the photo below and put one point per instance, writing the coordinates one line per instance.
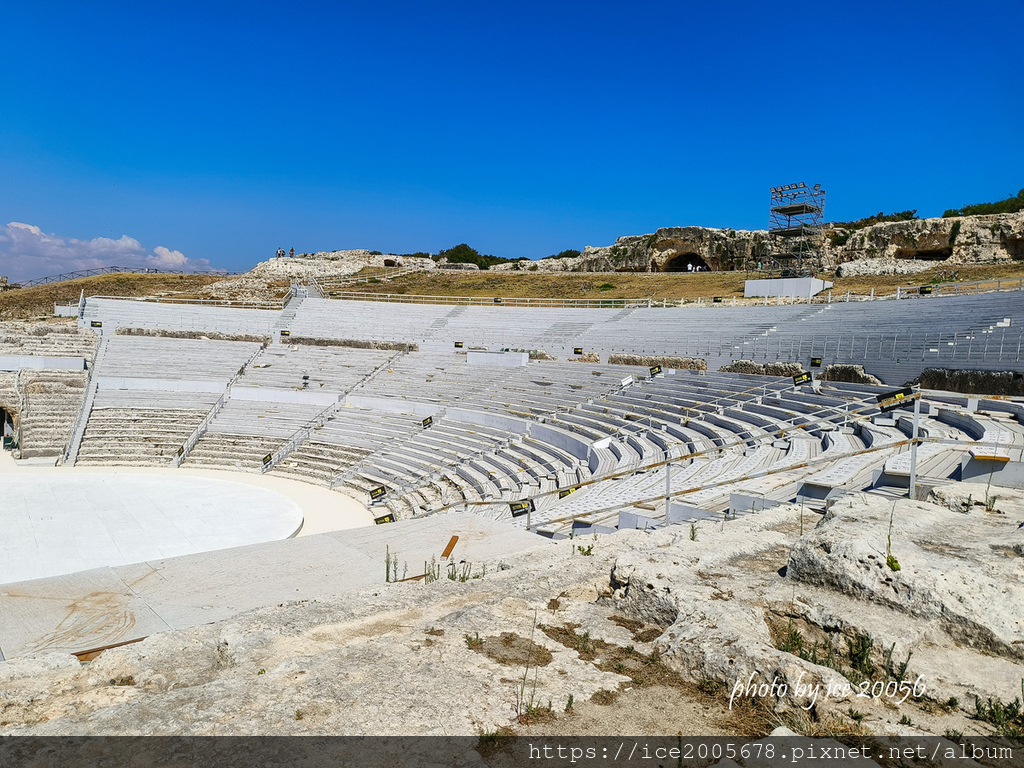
(221, 131)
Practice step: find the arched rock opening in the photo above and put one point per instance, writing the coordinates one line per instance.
(938, 254)
(1015, 247)
(391, 263)
(684, 262)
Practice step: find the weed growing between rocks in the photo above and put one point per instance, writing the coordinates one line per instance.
(489, 743)
(856, 663)
(1007, 719)
(528, 709)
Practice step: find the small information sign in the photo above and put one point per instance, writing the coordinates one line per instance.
(520, 508)
(888, 401)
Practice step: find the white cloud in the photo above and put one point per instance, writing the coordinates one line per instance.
(26, 252)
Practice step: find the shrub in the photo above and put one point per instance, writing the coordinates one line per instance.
(878, 218)
(463, 254)
(1009, 205)
(568, 253)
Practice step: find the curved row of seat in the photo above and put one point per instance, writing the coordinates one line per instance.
(426, 431)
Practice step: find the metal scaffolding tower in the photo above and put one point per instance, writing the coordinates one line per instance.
(797, 216)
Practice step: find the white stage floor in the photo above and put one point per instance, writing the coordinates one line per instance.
(56, 523)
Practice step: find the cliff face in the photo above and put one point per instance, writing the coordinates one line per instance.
(960, 240)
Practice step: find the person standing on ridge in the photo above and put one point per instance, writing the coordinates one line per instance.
(292, 253)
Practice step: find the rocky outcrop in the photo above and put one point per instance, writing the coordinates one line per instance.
(333, 264)
(850, 374)
(670, 249)
(955, 240)
(763, 369)
(721, 605)
(1009, 383)
(923, 560)
(665, 361)
(901, 247)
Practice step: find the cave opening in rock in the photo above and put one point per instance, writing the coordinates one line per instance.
(390, 263)
(684, 262)
(939, 254)
(1015, 247)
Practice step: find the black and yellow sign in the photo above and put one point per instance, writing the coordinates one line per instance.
(801, 378)
(332, 293)
(267, 458)
(181, 449)
(96, 324)
(815, 362)
(890, 400)
(925, 289)
(497, 300)
(378, 493)
(655, 370)
(388, 518)
(458, 345)
(286, 333)
(577, 350)
(520, 508)
(718, 300)
(427, 422)
(565, 492)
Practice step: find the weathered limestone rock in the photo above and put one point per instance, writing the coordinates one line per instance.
(665, 361)
(851, 374)
(760, 596)
(956, 240)
(902, 247)
(959, 570)
(333, 264)
(882, 266)
(763, 369)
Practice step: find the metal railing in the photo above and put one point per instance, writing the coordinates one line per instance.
(996, 285)
(70, 455)
(204, 424)
(976, 345)
(490, 301)
(275, 305)
(317, 422)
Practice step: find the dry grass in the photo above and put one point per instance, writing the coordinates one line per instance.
(39, 300)
(630, 285)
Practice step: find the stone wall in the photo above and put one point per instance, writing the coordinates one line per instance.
(916, 244)
(333, 264)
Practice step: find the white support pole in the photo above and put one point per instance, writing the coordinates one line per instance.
(913, 449)
(668, 487)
